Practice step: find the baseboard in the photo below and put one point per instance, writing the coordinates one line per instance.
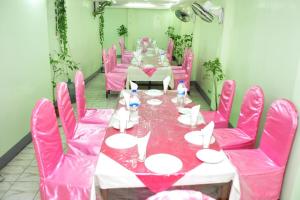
(17, 148)
(12, 152)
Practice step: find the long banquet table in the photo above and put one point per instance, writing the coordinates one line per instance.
(150, 57)
(115, 170)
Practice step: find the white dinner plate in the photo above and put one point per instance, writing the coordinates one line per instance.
(196, 138)
(210, 156)
(122, 101)
(184, 111)
(121, 141)
(116, 124)
(186, 119)
(154, 102)
(186, 101)
(163, 163)
(154, 92)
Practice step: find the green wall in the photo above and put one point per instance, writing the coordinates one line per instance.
(140, 22)
(24, 64)
(258, 44)
(83, 36)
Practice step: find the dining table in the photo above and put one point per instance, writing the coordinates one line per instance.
(119, 169)
(154, 66)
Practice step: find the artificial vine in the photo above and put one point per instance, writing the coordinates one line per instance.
(99, 10)
(61, 25)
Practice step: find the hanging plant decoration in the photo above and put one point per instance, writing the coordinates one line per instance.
(99, 11)
(61, 24)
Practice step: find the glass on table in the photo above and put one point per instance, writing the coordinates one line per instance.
(143, 134)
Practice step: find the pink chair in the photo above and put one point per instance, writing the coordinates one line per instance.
(113, 81)
(115, 67)
(180, 195)
(261, 170)
(186, 74)
(62, 176)
(244, 135)
(94, 116)
(81, 138)
(126, 56)
(170, 50)
(118, 65)
(222, 115)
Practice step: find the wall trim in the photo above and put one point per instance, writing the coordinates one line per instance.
(17, 148)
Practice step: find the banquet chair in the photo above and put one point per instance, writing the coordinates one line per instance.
(115, 67)
(182, 69)
(62, 176)
(126, 56)
(118, 65)
(82, 138)
(186, 75)
(180, 195)
(244, 135)
(170, 50)
(261, 170)
(88, 115)
(222, 115)
(113, 81)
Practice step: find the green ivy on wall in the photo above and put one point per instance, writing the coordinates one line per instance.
(61, 24)
(180, 43)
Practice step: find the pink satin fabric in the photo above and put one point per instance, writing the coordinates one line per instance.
(119, 68)
(149, 71)
(94, 116)
(126, 56)
(222, 115)
(170, 50)
(81, 138)
(261, 170)
(244, 135)
(113, 81)
(62, 176)
(180, 195)
(165, 132)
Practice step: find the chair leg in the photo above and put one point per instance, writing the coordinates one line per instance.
(107, 93)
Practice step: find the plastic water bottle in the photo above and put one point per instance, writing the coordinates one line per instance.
(181, 91)
(134, 103)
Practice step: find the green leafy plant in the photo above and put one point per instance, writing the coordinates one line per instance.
(99, 11)
(122, 31)
(180, 43)
(214, 68)
(61, 24)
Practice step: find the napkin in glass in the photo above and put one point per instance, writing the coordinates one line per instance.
(166, 82)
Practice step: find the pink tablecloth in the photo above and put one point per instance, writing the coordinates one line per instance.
(167, 136)
(149, 70)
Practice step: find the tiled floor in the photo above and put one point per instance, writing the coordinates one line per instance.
(21, 178)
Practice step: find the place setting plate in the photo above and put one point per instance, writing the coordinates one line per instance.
(186, 120)
(210, 156)
(154, 102)
(154, 92)
(116, 124)
(186, 100)
(121, 141)
(184, 111)
(196, 138)
(163, 163)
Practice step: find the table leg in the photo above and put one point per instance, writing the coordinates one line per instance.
(224, 191)
(104, 194)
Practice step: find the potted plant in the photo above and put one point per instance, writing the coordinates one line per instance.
(214, 68)
(122, 31)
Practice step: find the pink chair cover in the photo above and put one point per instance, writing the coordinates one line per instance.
(121, 68)
(170, 50)
(97, 116)
(81, 138)
(222, 115)
(56, 169)
(126, 56)
(113, 81)
(261, 170)
(244, 135)
(180, 195)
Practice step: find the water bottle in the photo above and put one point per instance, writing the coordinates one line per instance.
(181, 91)
(134, 103)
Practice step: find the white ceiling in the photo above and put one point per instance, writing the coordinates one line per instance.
(150, 4)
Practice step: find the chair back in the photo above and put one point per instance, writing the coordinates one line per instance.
(80, 94)
(251, 110)
(114, 55)
(105, 61)
(279, 131)
(226, 98)
(66, 113)
(122, 45)
(45, 137)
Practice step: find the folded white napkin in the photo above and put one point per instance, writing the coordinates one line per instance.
(133, 86)
(142, 146)
(166, 82)
(194, 114)
(126, 97)
(123, 118)
(207, 132)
